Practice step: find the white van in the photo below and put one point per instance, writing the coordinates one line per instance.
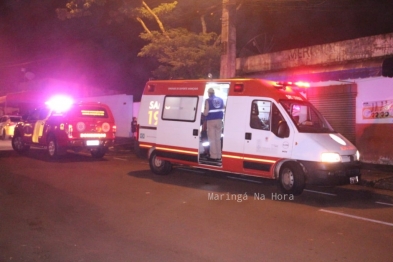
(269, 130)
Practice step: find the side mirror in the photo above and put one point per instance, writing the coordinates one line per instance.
(283, 129)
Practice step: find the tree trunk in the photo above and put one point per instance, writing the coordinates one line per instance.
(144, 25)
(158, 21)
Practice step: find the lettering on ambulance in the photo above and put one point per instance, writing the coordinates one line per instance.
(293, 97)
(154, 108)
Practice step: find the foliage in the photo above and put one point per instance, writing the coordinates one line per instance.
(183, 54)
(180, 52)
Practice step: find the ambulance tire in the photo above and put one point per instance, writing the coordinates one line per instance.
(158, 166)
(18, 145)
(291, 179)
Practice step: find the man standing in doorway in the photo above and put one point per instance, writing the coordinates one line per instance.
(214, 112)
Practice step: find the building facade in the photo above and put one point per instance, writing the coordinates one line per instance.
(351, 85)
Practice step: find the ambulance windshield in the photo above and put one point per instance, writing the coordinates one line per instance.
(306, 117)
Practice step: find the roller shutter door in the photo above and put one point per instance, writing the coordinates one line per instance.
(338, 104)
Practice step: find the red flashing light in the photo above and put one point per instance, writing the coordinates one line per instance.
(239, 88)
(299, 84)
(302, 84)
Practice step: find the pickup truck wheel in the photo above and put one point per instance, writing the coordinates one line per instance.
(54, 150)
(52, 147)
(98, 152)
(291, 178)
(18, 145)
(158, 166)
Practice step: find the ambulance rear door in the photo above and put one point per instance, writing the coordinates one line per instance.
(262, 147)
(149, 113)
(178, 128)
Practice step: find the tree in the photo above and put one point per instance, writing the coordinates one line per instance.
(180, 53)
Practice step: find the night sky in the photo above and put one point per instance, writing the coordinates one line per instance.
(96, 53)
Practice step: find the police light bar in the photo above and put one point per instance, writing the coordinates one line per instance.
(59, 103)
(283, 85)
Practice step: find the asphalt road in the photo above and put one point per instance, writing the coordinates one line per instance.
(115, 209)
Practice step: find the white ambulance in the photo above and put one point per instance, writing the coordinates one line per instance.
(269, 130)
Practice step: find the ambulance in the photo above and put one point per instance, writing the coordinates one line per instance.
(270, 130)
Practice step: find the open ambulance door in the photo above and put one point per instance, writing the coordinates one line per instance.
(178, 129)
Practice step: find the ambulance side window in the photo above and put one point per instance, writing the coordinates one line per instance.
(279, 126)
(260, 114)
(180, 108)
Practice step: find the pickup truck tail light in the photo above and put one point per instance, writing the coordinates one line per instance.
(69, 131)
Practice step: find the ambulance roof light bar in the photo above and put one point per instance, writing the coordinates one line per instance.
(283, 85)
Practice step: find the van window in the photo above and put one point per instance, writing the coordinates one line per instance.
(180, 108)
(260, 114)
(306, 117)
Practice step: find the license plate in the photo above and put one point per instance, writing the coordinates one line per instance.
(93, 142)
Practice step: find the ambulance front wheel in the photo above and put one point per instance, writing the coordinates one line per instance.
(158, 166)
(291, 179)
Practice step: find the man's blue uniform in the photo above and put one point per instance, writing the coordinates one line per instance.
(214, 112)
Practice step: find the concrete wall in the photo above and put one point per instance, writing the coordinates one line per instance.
(359, 49)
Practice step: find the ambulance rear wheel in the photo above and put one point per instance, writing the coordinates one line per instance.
(158, 166)
(291, 179)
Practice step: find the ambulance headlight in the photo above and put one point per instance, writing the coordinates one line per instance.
(330, 157)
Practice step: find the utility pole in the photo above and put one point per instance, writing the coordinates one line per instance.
(228, 39)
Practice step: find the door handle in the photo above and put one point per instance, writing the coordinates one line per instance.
(248, 136)
(195, 132)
